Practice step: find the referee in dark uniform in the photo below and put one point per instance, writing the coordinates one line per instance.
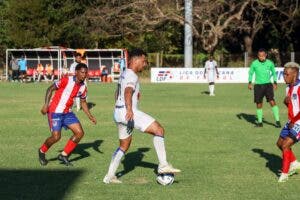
(264, 69)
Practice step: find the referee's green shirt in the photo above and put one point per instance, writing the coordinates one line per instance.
(263, 71)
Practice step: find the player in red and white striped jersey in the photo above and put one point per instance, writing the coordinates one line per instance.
(290, 134)
(60, 114)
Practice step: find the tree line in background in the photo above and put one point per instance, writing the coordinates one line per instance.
(232, 26)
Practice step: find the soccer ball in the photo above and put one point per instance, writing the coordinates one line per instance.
(165, 179)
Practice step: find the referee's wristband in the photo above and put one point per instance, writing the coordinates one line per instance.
(250, 82)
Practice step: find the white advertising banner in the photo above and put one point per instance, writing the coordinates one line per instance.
(195, 75)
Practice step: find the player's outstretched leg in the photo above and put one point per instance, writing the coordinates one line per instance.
(42, 158)
(287, 157)
(64, 155)
(78, 133)
(110, 177)
(55, 137)
(159, 144)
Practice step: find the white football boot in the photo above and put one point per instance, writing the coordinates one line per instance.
(107, 179)
(163, 169)
(294, 166)
(283, 177)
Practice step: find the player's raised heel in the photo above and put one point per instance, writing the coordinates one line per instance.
(163, 169)
(283, 177)
(42, 158)
(65, 160)
(107, 179)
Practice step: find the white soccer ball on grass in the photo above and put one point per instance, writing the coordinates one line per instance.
(165, 179)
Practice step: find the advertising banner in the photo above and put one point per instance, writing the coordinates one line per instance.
(196, 75)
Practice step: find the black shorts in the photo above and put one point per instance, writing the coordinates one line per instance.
(23, 72)
(263, 90)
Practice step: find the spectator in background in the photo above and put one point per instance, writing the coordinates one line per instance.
(15, 69)
(39, 72)
(104, 73)
(49, 72)
(22, 63)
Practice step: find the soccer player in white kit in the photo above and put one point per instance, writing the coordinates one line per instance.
(127, 116)
(211, 69)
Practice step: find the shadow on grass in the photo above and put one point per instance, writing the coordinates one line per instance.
(205, 92)
(252, 119)
(36, 184)
(134, 159)
(80, 150)
(273, 161)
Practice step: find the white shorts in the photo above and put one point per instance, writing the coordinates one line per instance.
(141, 121)
(211, 78)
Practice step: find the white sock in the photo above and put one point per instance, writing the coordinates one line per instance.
(210, 89)
(294, 162)
(213, 89)
(115, 161)
(159, 145)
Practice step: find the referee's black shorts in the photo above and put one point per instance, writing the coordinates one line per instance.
(263, 90)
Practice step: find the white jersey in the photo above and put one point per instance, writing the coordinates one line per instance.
(128, 78)
(142, 120)
(210, 67)
(73, 67)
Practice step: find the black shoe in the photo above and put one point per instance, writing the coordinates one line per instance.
(259, 125)
(277, 124)
(42, 158)
(65, 160)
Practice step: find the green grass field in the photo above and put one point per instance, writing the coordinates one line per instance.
(212, 139)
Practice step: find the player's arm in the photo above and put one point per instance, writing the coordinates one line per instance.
(217, 71)
(250, 76)
(128, 103)
(86, 110)
(47, 98)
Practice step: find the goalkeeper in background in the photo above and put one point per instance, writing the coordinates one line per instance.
(263, 69)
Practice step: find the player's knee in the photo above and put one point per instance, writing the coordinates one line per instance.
(56, 137)
(125, 144)
(285, 146)
(78, 136)
(160, 131)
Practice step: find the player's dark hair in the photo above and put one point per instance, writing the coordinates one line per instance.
(262, 50)
(136, 53)
(77, 54)
(79, 66)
